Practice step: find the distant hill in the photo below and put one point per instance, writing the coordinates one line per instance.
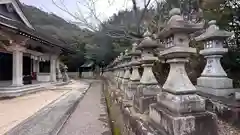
(54, 25)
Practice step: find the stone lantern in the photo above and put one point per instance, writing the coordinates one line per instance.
(214, 79)
(134, 80)
(127, 72)
(65, 75)
(120, 70)
(148, 88)
(179, 110)
(116, 71)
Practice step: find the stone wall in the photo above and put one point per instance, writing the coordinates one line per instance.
(124, 118)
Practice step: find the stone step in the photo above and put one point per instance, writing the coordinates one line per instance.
(9, 92)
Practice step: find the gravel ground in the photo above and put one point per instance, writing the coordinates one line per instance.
(14, 111)
(90, 115)
(227, 129)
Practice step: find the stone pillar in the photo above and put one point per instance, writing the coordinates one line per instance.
(179, 110)
(36, 66)
(148, 88)
(214, 79)
(17, 76)
(53, 59)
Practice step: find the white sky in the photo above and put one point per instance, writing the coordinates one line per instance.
(102, 7)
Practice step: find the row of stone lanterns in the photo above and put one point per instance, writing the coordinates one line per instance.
(175, 106)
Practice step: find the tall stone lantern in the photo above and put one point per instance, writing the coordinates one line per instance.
(120, 70)
(214, 79)
(135, 77)
(148, 88)
(127, 72)
(179, 110)
(116, 70)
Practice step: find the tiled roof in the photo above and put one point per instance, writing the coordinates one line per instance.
(45, 38)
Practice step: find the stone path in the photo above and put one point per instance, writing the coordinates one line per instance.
(90, 117)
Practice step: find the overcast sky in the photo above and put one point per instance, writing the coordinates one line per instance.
(102, 7)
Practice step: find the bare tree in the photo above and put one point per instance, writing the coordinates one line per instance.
(88, 17)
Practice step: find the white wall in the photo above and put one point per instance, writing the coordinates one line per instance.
(43, 77)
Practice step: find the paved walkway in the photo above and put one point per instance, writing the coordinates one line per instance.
(89, 118)
(15, 111)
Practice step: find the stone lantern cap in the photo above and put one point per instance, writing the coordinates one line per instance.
(135, 51)
(147, 42)
(213, 33)
(177, 24)
(135, 63)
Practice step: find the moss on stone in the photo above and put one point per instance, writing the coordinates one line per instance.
(115, 129)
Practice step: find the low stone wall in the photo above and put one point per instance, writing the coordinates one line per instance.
(125, 120)
(73, 75)
(87, 75)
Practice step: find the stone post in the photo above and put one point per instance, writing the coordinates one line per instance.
(134, 80)
(179, 110)
(214, 79)
(35, 66)
(17, 69)
(148, 88)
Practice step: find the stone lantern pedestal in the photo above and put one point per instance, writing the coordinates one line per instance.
(148, 88)
(179, 110)
(126, 77)
(214, 79)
